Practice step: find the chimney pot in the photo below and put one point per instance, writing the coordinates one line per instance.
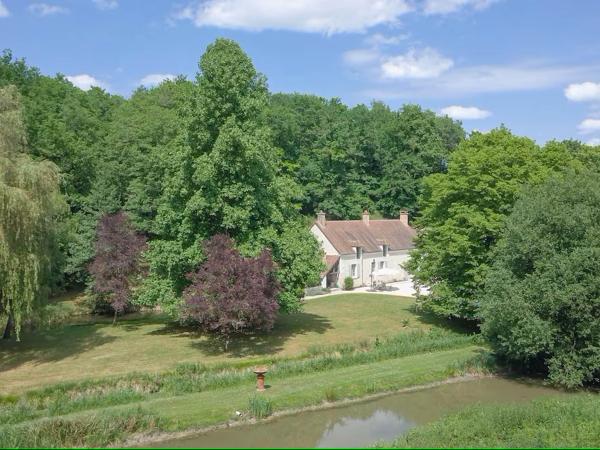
(365, 217)
(404, 217)
(321, 220)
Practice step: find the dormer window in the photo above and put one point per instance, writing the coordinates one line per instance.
(385, 249)
(358, 252)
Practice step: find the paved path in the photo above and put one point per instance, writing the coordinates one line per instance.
(400, 288)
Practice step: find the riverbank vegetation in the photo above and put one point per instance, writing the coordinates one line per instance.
(571, 421)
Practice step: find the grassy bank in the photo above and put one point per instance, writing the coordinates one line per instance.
(548, 422)
(212, 397)
(190, 378)
(150, 343)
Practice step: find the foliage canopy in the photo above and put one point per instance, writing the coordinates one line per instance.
(463, 212)
(541, 306)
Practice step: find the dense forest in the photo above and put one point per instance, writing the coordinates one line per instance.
(220, 154)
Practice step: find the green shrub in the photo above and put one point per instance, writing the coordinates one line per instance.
(541, 308)
(260, 406)
(348, 284)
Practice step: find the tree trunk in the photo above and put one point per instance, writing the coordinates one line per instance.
(115, 317)
(9, 327)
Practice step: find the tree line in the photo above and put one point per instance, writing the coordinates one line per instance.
(191, 159)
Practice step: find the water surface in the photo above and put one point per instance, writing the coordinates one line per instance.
(361, 424)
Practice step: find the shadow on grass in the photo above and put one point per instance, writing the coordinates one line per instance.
(52, 345)
(456, 325)
(60, 342)
(287, 326)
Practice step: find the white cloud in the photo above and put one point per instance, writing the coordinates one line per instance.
(593, 141)
(465, 112)
(451, 6)
(156, 78)
(314, 16)
(469, 80)
(4, 12)
(106, 4)
(85, 81)
(379, 39)
(45, 9)
(589, 126)
(425, 63)
(582, 92)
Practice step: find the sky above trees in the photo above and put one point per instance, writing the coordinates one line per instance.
(532, 65)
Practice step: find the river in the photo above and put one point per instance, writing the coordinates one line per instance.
(361, 424)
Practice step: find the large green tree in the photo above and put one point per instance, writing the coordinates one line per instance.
(463, 212)
(541, 306)
(223, 174)
(30, 204)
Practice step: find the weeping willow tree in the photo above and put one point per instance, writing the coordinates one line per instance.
(30, 204)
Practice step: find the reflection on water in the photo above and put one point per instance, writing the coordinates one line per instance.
(361, 424)
(349, 431)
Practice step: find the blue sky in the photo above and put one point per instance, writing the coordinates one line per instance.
(532, 65)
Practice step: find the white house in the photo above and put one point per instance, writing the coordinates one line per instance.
(366, 250)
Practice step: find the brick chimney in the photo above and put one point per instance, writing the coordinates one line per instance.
(321, 218)
(404, 217)
(366, 217)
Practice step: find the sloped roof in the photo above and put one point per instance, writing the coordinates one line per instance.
(346, 234)
(330, 261)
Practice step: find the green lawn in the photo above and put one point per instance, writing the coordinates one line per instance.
(303, 390)
(218, 405)
(150, 343)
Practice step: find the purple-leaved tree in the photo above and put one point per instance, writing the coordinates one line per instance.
(117, 260)
(230, 294)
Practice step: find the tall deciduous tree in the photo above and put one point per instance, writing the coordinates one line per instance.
(230, 294)
(541, 307)
(223, 174)
(464, 210)
(30, 204)
(117, 260)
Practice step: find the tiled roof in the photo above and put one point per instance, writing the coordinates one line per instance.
(346, 234)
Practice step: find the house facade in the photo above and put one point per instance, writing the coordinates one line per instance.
(366, 250)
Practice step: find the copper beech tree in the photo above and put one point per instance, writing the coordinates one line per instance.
(231, 294)
(117, 260)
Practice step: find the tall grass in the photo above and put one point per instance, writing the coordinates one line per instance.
(188, 378)
(260, 406)
(92, 430)
(572, 421)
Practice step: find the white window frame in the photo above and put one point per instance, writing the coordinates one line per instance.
(382, 264)
(354, 270)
